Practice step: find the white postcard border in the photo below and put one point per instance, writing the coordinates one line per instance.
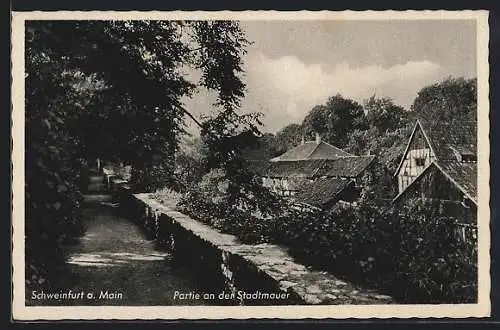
(22, 312)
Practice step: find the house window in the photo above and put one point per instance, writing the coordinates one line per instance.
(420, 161)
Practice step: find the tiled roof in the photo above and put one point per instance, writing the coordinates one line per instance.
(461, 135)
(299, 168)
(327, 151)
(312, 150)
(346, 167)
(448, 138)
(299, 152)
(321, 191)
(463, 174)
(349, 167)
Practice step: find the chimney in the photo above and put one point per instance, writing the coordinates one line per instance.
(318, 138)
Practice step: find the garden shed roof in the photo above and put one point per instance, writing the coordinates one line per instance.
(321, 191)
(350, 167)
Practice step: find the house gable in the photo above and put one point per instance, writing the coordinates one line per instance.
(416, 158)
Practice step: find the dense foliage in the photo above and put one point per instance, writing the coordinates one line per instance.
(112, 89)
(448, 100)
(413, 252)
(249, 228)
(53, 167)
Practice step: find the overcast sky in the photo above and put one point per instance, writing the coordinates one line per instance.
(294, 65)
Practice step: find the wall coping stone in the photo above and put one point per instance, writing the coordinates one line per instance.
(313, 287)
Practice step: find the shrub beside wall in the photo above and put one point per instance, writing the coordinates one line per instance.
(228, 219)
(411, 253)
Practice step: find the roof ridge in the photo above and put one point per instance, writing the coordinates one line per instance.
(331, 145)
(429, 140)
(314, 149)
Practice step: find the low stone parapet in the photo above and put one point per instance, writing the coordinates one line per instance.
(249, 274)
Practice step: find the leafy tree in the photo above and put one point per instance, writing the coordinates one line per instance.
(289, 136)
(334, 120)
(448, 100)
(228, 134)
(392, 146)
(53, 164)
(383, 114)
(130, 78)
(189, 163)
(226, 146)
(387, 147)
(387, 125)
(377, 184)
(362, 142)
(266, 147)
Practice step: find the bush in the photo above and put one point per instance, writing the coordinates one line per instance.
(432, 261)
(167, 196)
(227, 218)
(412, 253)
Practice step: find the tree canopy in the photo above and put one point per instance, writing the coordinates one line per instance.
(334, 120)
(383, 114)
(113, 89)
(448, 100)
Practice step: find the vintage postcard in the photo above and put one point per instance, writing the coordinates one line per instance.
(235, 165)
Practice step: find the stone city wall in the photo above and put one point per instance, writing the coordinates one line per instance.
(226, 265)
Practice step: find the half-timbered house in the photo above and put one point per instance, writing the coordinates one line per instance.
(440, 164)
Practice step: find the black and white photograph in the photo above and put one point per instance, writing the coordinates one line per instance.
(250, 164)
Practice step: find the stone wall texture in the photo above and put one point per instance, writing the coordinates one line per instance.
(226, 265)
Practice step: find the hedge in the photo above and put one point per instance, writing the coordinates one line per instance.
(411, 253)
